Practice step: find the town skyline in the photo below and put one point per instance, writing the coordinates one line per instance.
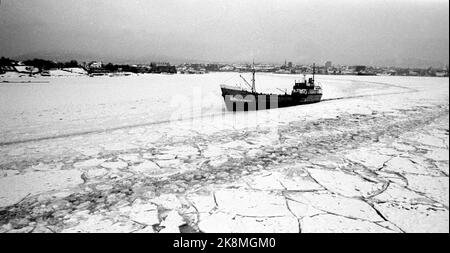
(43, 66)
(66, 57)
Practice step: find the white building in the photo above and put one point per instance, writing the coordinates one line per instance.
(95, 64)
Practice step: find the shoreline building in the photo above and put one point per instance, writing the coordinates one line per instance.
(162, 67)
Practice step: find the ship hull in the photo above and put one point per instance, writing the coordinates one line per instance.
(242, 100)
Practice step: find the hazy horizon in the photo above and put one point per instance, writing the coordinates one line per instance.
(372, 32)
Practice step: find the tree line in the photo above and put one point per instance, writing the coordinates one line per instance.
(40, 63)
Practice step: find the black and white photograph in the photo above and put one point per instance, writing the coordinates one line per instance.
(224, 116)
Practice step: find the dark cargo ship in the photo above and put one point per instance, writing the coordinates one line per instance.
(238, 99)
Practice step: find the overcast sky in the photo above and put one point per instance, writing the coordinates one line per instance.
(374, 32)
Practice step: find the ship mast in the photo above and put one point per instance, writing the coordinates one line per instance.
(253, 77)
(314, 70)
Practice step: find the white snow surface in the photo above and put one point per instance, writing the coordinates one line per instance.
(67, 105)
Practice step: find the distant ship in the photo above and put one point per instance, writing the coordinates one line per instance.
(304, 91)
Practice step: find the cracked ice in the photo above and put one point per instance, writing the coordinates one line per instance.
(370, 164)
